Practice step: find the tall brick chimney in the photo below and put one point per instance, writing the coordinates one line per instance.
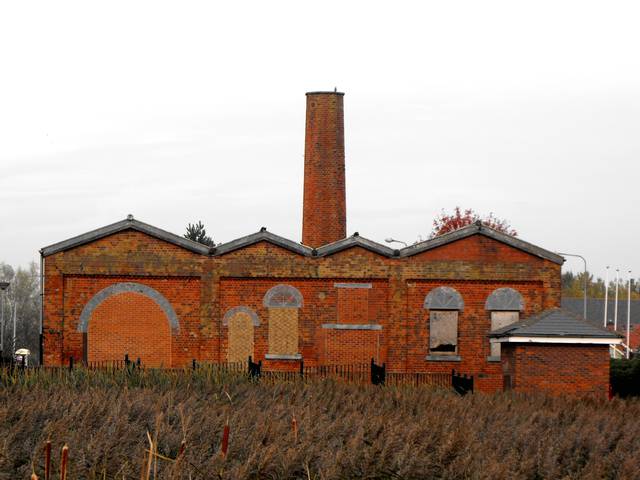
(324, 215)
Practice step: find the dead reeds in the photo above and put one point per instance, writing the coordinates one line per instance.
(158, 427)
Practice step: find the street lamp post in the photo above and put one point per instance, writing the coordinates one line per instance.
(3, 286)
(615, 313)
(586, 279)
(606, 297)
(629, 316)
(393, 240)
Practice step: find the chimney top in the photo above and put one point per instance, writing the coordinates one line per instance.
(325, 93)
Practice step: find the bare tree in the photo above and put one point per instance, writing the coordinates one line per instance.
(22, 302)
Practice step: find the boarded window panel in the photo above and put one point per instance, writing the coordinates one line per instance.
(353, 305)
(499, 320)
(240, 331)
(283, 331)
(443, 332)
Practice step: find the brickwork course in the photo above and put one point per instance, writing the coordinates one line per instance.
(574, 370)
(338, 299)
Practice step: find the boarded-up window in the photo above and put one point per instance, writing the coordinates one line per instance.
(283, 331)
(443, 332)
(240, 337)
(499, 320)
(353, 305)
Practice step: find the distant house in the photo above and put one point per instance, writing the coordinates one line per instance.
(595, 314)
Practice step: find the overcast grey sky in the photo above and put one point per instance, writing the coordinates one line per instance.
(186, 111)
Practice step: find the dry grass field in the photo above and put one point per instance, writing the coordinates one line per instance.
(340, 430)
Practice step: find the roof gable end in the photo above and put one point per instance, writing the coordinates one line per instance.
(479, 229)
(356, 241)
(127, 224)
(262, 236)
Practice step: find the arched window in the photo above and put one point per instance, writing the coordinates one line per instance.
(505, 300)
(283, 302)
(444, 305)
(505, 305)
(283, 296)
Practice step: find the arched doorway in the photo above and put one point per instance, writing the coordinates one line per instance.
(128, 318)
(240, 322)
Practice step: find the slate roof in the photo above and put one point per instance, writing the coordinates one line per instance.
(357, 240)
(556, 322)
(595, 310)
(263, 235)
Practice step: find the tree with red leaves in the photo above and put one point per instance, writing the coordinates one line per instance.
(448, 222)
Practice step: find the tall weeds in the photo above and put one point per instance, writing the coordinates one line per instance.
(340, 430)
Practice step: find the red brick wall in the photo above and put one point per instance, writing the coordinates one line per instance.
(320, 306)
(201, 289)
(133, 324)
(345, 347)
(324, 216)
(73, 277)
(354, 306)
(183, 293)
(558, 369)
(474, 324)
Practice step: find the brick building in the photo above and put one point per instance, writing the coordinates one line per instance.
(133, 288)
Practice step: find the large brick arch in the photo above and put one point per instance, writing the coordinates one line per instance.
(122, 287)
(129, 318)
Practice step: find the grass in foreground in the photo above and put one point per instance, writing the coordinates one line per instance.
(342, 431)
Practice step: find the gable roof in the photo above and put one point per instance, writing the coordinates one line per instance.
(479, 228)
(357, 241)
(127, 224)
(555, 323)
(262, 236)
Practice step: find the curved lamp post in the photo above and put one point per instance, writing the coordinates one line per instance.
(586, 278)
(393, 240)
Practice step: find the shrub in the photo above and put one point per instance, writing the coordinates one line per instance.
(625, 377)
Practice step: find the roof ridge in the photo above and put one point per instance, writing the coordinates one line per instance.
(479, 228)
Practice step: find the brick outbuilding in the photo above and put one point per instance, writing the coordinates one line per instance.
(555, 352)
(130, 287)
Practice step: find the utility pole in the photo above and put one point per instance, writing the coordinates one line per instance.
(629, 316)
(606, 297)
(615, 315)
